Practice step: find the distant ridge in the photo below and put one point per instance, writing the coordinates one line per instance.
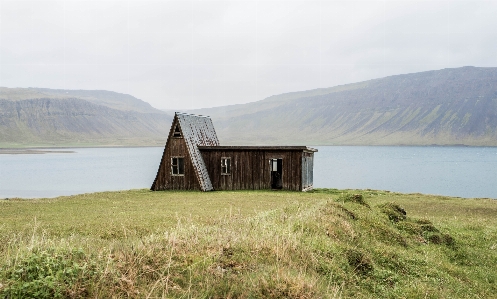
(119, 101)
(443, 107)
(48, 117)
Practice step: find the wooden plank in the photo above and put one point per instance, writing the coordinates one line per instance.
(250, 169)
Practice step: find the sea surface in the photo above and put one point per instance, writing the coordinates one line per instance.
(452, 171)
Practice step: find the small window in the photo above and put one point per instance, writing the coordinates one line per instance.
(177, 166)
(225, 166)
(177, 132)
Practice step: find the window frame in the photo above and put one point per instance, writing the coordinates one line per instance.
(179, 166)
(177, 132)
(225, 168)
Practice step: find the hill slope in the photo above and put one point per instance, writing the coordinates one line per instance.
(114, 100)
(59, 117)
(248, 244)
(444, 107)
(450, 106)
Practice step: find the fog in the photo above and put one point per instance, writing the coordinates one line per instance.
(194, 54)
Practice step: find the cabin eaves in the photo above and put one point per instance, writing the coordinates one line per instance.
(258, 148)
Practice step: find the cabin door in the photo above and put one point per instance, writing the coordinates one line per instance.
(276, 173)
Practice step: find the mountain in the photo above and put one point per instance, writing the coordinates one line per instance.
(119, 101)
(443, 107)
(44, 117)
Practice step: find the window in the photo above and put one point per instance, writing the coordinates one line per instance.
(178, 166)
(177, 132)
(225, 165)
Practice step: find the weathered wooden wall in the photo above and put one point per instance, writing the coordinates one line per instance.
(175, 147)
(250, 168)
(307, 170)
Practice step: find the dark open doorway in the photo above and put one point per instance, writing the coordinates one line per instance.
(276, 173)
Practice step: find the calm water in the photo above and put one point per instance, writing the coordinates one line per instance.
(454, 171)
(87, 170)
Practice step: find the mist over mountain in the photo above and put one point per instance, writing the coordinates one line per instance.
(444, 107)
(114, 100)
(36, 116)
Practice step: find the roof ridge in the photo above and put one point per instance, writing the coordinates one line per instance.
(191, 114)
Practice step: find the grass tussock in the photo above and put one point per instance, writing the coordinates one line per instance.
(322, 244)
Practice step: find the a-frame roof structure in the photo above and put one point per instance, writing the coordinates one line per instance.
(198, 131)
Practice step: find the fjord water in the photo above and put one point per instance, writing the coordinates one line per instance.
(443, 170)
(86, 170)
(452, 171)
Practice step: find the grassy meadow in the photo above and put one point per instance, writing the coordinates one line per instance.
(326, 243)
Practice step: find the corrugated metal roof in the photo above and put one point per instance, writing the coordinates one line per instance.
(197, 131)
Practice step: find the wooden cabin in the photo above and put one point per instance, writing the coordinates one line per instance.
(194, 160)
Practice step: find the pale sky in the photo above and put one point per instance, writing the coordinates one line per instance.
(195, 54)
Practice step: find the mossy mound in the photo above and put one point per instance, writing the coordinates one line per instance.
(323, 244)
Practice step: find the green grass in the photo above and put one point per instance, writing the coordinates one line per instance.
(249, 244)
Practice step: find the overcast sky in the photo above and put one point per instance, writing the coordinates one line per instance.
(193, 54)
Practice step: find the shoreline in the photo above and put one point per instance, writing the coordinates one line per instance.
(315, 190)
(21, 151)
(56, 149)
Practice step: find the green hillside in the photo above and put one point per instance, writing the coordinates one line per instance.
(444, 107)
(45, 117)
(109, 99)
(248, 244)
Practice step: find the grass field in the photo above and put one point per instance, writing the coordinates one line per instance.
(249, 244)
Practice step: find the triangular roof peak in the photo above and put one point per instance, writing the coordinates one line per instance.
(198, 130)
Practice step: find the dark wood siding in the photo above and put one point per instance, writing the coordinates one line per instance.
(250, 169)
(176, 147)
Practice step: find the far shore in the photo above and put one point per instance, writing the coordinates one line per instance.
(59, 150)
(32, 151)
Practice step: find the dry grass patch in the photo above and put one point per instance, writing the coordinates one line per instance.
(140, 244)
